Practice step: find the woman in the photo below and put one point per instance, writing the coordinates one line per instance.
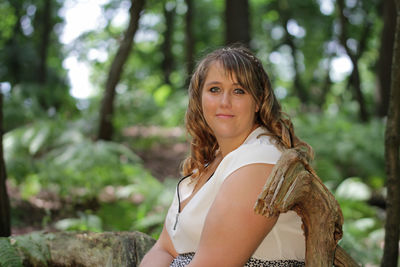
(238, 132)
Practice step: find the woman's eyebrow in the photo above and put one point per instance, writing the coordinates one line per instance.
(217, 83)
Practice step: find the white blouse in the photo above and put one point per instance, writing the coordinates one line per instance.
(286, 239)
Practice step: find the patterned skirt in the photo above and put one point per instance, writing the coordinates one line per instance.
(184, 259)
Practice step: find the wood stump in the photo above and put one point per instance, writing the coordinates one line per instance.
(294, 185)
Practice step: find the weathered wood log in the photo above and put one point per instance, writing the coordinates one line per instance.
(293, 185)
(82, 248)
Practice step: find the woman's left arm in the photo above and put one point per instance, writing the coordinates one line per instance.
(232, 230)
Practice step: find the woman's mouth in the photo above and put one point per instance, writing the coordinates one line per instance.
(224, 116)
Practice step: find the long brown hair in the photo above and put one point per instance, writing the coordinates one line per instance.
(250, 74)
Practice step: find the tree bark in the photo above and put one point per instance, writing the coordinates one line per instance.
(392, 158)
(298, 86)
(5, 220)
(106, 128)
(189, 41)
(82, 248)
(13, 59)
(44, 43)
(293, 185)
(355, 80)
(326, 86)
(168, 60)
(385, 57)
(237, 22)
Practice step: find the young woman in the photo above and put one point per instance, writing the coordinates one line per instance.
(238, 132)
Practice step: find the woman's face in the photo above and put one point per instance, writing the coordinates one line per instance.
(228, 108)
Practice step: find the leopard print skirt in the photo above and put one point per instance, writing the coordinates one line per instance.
(184, 259)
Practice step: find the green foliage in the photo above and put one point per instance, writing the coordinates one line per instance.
(363, 224)
(57, 157)
(143, 204)
(344, 148)
(34, 247)
(8, 254)
(85, 222)
(50, 153)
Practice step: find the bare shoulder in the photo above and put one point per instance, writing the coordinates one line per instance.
(232, 227)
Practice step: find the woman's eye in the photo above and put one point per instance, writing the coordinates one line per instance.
(239, 91)
(214, 89)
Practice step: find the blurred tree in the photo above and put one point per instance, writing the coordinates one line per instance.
(43, 20)
(5, 219)
(105, 130)
(392, 157)
(189, 40)
(29, 41)
(286, 15)
(237, 27)
(168, 61)
(385, 57)
(354, 54)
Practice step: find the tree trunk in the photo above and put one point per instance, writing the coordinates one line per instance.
(5, 220)
(12, 60)
(392, 158)
(78, 248)
(107, 107)
(297, 83)
(46, 26)
(385, 57)
(293, 185)
(237, 22)
(168, 60)
(189, 41)
(355, 81)
(326, 86)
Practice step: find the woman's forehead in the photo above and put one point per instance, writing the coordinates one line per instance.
(218, 68)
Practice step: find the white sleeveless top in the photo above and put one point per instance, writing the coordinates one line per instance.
(286, 239)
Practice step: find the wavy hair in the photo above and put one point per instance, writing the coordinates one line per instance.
(250, 74)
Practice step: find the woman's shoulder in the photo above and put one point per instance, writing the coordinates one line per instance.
(258, 148)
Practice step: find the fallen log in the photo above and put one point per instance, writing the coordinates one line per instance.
(78, 249)
(294, 185)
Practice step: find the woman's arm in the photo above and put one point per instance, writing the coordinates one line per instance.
(161, 254)
(232, 230)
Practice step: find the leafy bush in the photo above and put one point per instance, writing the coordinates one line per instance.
(8, 254)
(344, 148)
(52, 153)
(57, 157)
(363, 224)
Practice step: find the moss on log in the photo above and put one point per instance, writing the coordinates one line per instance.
(82, 248)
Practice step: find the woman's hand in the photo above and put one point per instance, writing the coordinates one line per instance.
(232, 230)
(161, 254)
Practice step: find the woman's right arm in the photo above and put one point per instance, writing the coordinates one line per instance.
(161, 254)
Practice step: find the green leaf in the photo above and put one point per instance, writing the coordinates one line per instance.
(8, 255)
(30, 187)
(161, 94)
(34, 247)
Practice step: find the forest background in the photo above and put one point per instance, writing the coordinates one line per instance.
(104, 155)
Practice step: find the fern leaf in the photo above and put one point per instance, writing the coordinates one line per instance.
(8, 255)
(34, 248)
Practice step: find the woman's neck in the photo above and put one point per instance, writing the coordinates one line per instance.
(228, 145)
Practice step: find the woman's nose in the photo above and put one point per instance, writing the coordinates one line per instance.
(226, 100)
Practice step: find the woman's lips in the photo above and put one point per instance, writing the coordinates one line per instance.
(224, 116)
